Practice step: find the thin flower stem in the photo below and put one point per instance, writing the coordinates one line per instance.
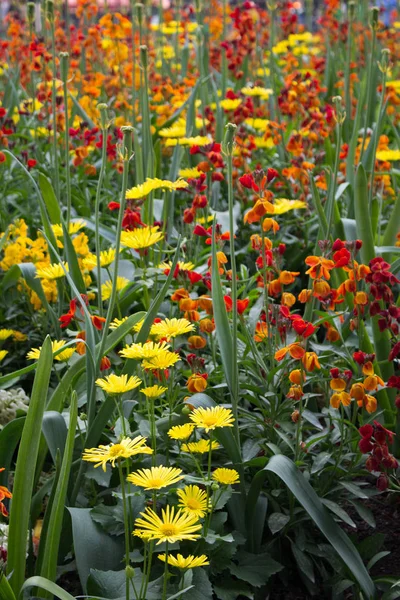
(64, 76)
(164, 596)
(54, 111)
(103, 109)
(206, 521)
(126, 526)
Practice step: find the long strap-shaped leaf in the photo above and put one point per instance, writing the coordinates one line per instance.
(305, 494)
(25, 470)
(49, 563)
(49, 586)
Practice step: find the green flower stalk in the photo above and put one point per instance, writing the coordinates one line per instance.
(126, 155)
(64, 64)
(104, 125)
(370, 86)
(227, 148)
(50, 16)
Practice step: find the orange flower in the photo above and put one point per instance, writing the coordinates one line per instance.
(261, 208)
(261, 331)
(179, 295)
(207, 325)
(340, 398)
(332, 335)
(338, 384)
(295, 350)
(304, 296)
(197, 382)
(274, 287)
(310, 361)
(368, 402)
(269, 224)
(287, 277)
(80, 346)
(205, 303)
(188, 304)
(357, 392)
(295, 392)
(296, 376)
(196, 342)
(361, 298)
(321, 288)
(319, 267)
(288, 299)
(4, 493)
(372, 382)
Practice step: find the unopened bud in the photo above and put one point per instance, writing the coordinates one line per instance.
(102, 108)
(229, 140)
(295, 416)
(215, 487)
(50, 10)
(385, 61)
(139, 12)
(186, 410)
(129, 572)
(143, 56)
(64, 63)
(374, 17)
(83, 417)
(351, 10)
(30, 12)
(127, 131)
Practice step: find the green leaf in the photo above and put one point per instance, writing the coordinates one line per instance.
(304, 563)
(94, 549)
(50, 199)
(202, 586)
(9, 438)
(111, 585)
(52, 541)
(25, 470)
(45, 584)
(277, 522)
(338, 511)
(362, 214)
(365, 513)
(286, 470)
(73, 265)
(55, 432)
(6, 592)
(110, 518)
(256, 569)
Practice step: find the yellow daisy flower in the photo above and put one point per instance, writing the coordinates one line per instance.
(211, 418)
(197, 140)
(200, 447)
(190, 173)
(171, 527)
(262, 142)
(388, 155)
(283, 205)
(263, 93)
(106, 288)
(190, 562)
(74, 227)
(141, 237)
(181, 432)
(144, 189)
(56, 345)
(117, 322)
(54, 271)
(228, 104)
(257, 123)
(5, 334)
(106, 258)
(170, 328)
(193, 500)
(118, 384)
(141, 351)
(3, 354)
(154, 391)
(163, 360)
(226, 476)
(123, 449)
(156, 477)
(138, 326)
(183, 266)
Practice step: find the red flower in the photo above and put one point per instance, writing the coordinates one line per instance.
(341, 258)
(242, 305)
(31, 162)
(395, 351)
(114, 205)
(194, 277)
(97, 321)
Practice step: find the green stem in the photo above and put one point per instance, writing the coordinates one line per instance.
(103, 116)
(126, 526)
(64, 76)
(164, 595)
(369, 90)
(376, 139)
(54, 111)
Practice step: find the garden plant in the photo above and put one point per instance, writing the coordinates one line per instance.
(199, 277)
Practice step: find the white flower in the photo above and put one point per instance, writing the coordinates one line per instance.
(11, 401)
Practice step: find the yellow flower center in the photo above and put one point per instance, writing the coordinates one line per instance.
(156, 483)
(169, 529)
(116, 450)
(209, 420)
(193, 504)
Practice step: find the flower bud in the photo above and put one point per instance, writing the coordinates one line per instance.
(139, 12)
(130, 572)
(64, 63)
(127, 131)
(374, 17)
(215, 487)
(186, 410)
(229, 140)
(143, 56)
(30, 12)
(50, 10)
(385, 61)
(351, 10)
(83, 417)
(102, 108)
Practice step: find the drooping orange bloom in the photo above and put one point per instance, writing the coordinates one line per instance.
(4, 493)
(295, 350)
(320, 267)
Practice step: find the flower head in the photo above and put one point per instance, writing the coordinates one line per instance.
(226, 476)
(211, 418)
(200, 447)
(106, 288)
(170, 328)
(144, 189)
(106, 258)
(118, 384)
(163, 360)
(54, 271)
(56, 345)
(123, 449)
(141, 351)
(154, 391)
(141, 237)
(171, 527)
(193, 500)
(190, 562)
(156, 477)
(181, 432)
